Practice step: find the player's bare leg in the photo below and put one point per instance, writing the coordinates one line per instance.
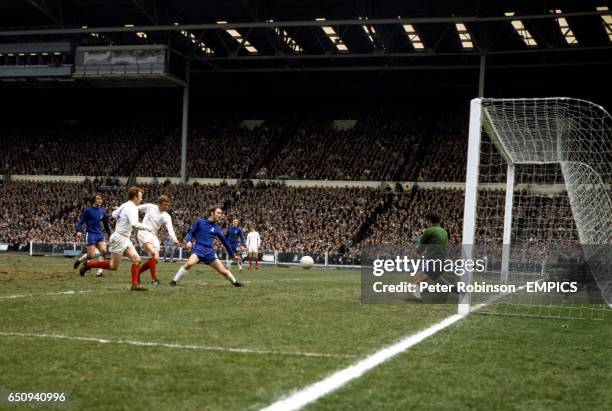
(218, 265)
(151, 263)
(191, 261)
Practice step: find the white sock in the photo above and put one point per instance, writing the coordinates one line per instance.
(96, 252)
(231, 278)
(416, 293)
(84, 256)
(240, 265)
(228, 263)
(179, 274)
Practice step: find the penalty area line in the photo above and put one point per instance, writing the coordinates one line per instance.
(331, 383)
(174, 345)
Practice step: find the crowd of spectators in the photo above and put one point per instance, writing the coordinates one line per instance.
(416, 146)
(217, 150)
(382, 147)
(72, 149)
(40, 211)
(375, 149)
(403, 221)
(444, 151)
(290, 219)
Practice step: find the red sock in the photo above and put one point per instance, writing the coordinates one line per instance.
(256, 262)
(250, 262)
(153, 266)
(135, 274)
(98, 264)
(145, 266)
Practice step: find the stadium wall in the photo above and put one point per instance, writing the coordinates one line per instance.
(406, 185)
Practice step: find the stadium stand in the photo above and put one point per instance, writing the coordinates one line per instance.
(289, 219)
(385, 147)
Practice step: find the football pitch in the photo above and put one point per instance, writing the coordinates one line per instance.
(205, 345)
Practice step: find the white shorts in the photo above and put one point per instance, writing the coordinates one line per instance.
(118, 243)
(253, 250)
(148, 237)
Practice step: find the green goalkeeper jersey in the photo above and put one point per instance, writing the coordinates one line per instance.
(434, 240)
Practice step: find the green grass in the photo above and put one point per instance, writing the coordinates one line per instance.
(482, 362)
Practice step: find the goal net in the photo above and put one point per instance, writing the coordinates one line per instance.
(538, 207)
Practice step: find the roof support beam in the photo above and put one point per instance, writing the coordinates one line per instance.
(409, 54)
(385, 67)
(263, 24)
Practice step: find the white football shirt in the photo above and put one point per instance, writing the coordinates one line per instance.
(156, 219)
(127, 218)
(253, 240)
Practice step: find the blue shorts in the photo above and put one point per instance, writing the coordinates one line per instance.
(234, 248)
(94, 238)
(206, 255)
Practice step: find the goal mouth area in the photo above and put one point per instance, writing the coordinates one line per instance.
(538, 203)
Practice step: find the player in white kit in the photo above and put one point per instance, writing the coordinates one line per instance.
(253, 242)
(156, 217)
(120, 243)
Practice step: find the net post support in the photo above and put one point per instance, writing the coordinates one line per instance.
(507, 236)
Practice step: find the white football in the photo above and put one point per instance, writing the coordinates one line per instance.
(306, 262)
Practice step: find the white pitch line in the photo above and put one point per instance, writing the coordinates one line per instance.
(8, 297)
(338, 379)
(174, 345)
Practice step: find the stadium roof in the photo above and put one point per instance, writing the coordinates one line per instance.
(343, 36)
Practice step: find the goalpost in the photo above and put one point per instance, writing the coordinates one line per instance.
(538, 205)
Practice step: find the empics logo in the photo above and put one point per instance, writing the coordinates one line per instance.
(551, 286)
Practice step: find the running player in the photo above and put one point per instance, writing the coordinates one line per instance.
(253, 242)
(120, 243)
(155, 216)
(235, 238)
(200, 239)
(94, 218)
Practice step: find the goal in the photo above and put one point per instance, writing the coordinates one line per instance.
(538, 207)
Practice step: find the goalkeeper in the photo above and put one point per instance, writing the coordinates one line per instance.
(433, 247)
